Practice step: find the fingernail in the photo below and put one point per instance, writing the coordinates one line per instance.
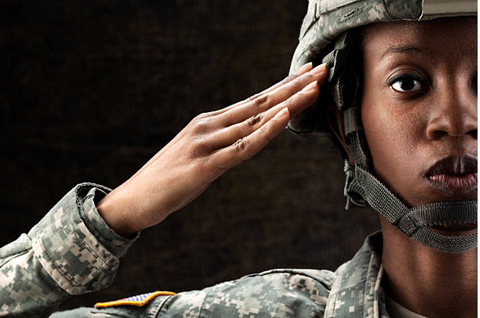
(304, 68)
(281, 113)
(310, 86)
(319, 69)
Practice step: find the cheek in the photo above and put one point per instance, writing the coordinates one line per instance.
(395, 129)
(394, 136)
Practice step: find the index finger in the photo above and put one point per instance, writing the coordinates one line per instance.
(301, 71)
(274, 97)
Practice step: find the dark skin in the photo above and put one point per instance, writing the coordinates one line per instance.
(435, 115)
(406, 133)
(211, 144)
(419, 105)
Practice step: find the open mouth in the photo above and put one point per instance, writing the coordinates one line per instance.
(454, 175)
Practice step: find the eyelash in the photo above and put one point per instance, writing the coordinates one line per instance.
(407, 77)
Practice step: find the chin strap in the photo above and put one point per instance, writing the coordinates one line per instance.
(362, 187)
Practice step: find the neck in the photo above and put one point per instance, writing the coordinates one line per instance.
(428, 282)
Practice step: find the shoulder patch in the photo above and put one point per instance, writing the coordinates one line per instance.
(139, 300)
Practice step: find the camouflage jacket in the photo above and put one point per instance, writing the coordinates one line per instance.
(72, 251)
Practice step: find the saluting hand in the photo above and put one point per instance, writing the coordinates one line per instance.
(207, 147)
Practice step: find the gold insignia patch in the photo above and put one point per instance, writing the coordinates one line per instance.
(139, 300)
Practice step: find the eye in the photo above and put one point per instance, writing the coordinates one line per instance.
(406, 83)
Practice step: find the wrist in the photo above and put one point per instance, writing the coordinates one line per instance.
(115, 212)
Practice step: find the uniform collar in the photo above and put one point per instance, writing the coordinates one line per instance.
(357, 291)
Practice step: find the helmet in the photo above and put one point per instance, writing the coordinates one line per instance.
(326, 36)
(326, 20)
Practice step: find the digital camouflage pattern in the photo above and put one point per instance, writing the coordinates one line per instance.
(325, 20)
(326, 23)
(354, 290)
(72, 251)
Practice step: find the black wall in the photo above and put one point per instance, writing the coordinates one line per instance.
(90, 90)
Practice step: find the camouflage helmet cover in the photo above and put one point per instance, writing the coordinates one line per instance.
(324, 37)
(327, 19)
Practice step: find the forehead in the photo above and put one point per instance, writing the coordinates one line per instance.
(447, 37)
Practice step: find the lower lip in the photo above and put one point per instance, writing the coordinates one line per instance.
(454, 184)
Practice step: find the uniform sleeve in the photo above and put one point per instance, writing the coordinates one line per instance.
(71, 251)
(277, 293)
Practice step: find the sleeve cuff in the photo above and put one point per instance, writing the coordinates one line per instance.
(75, 246)
(111, 240)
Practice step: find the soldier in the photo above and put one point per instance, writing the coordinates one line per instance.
(399, 99)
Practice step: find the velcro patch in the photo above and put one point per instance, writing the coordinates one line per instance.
(139, 300)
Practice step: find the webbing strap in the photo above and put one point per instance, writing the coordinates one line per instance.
(413, 222)
(351, 120)
(379, 197)
(353, 127)
(443, 243)
(450, 244)
(445, 215)
(336, 58)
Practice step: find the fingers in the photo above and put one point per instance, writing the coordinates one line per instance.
(264, 101)
(243, 140)
(302, 70)
(214, 131)
(244, 148)
(229, 135)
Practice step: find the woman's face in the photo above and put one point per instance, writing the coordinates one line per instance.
(419, 107)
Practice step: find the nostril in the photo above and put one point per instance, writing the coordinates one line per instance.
(473, 133)
(438, 134)
(474, 84)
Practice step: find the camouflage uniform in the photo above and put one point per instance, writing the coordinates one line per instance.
(72, 251)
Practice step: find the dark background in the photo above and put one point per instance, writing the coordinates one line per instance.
(90, 90)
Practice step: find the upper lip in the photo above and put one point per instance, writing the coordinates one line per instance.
(453, 166)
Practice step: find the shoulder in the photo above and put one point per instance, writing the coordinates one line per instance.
(310, 282)
(278, 293)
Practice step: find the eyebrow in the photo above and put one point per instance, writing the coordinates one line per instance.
(401, 49)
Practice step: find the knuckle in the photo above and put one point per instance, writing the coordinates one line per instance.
(198, 148)
(259, 100)
(297, 81)
(252, 98)
(241, 149)
(255, 119)
(201, 124)
(289, 78)
(202, 116)
(240, 145)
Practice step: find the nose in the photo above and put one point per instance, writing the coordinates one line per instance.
(454, 113)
